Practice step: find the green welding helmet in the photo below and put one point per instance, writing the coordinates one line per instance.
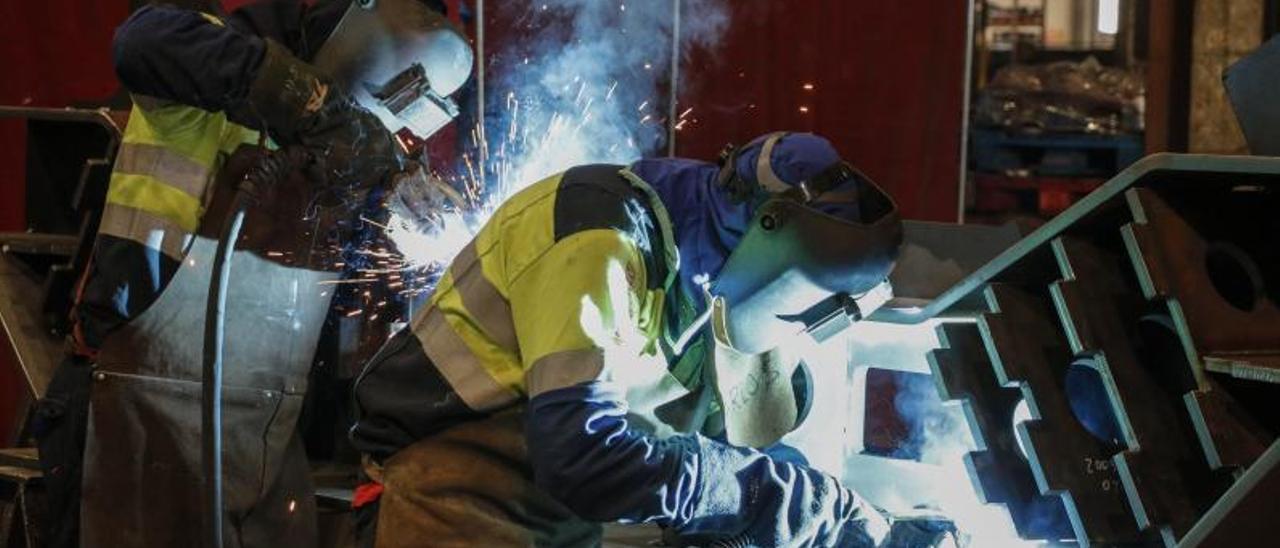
(399, 59)
(816, 256)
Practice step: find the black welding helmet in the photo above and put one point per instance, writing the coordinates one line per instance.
(401, 60)
(817, 252)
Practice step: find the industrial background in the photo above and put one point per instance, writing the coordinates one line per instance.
(1025, 121)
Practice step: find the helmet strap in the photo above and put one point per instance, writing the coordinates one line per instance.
(767, 179)
(825, 181)
(719, 318)
(739, 189)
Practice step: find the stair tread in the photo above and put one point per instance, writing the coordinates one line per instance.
(19, 474)
(23, 457)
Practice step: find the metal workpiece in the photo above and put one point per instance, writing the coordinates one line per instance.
(1166, 479)
(936, 256)
(1102, 208)
(1029, 351)
(962, 371)
(1215, 260)
(1245, 515)
(1141, 330)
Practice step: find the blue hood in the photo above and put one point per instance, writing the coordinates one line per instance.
(706, 222)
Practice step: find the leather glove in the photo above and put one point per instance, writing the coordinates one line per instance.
(766, 502)
(428, 218)
(420, 200)
(921, 529)
(349, 148)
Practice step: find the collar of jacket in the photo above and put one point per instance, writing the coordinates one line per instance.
(706, 222)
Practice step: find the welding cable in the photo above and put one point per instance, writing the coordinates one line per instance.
(271, 170)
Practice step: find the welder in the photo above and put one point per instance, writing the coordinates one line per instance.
(573, 365)
(304, 94)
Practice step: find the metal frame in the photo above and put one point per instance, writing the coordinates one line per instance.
(1246, 513)
(28, 305)
(954, 301)
(1186, 358)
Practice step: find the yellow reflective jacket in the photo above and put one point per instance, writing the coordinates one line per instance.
(566, 270)
(162, 177)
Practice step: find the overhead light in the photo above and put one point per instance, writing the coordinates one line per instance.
(1108, 16)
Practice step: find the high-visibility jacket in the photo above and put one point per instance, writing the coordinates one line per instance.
(561, 315)
(506, 321)
(161, 181)
(183, 69)
(160, 186)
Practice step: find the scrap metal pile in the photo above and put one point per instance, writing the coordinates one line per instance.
(1141, 330)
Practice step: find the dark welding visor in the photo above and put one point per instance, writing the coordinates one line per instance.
(798, 268)
(399, 59)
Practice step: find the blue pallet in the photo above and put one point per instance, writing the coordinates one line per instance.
(1058, 155)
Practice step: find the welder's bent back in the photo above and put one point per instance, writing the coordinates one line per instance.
(505, 321)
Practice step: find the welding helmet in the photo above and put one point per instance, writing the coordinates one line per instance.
(818, 250)
(399, 59)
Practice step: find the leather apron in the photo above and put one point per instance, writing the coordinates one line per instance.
(142, 476)
(472, 485)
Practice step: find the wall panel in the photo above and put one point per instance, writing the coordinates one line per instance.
(887, 88)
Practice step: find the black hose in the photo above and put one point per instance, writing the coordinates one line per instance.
(272, 169)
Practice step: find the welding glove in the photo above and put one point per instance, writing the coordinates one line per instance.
(921, 530)
(419, 200)
(585, 453)
(780, 503)
(349, 148)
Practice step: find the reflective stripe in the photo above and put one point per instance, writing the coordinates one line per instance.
(161, 163)
(154, 196)
(481, 299)
(185, 130)
(564, 369)
(163, 171)
(458, 365)
(764, 166)
(146, 229)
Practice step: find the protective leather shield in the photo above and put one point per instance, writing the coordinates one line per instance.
(142, 474)
(793, 257)
(400, 60)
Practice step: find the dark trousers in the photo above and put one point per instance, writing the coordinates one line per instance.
(59, 429)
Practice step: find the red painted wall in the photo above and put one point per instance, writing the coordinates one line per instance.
(887, 89)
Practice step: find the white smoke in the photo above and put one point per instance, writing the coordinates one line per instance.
(586, 85)
(583, 84)
(940, 481)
